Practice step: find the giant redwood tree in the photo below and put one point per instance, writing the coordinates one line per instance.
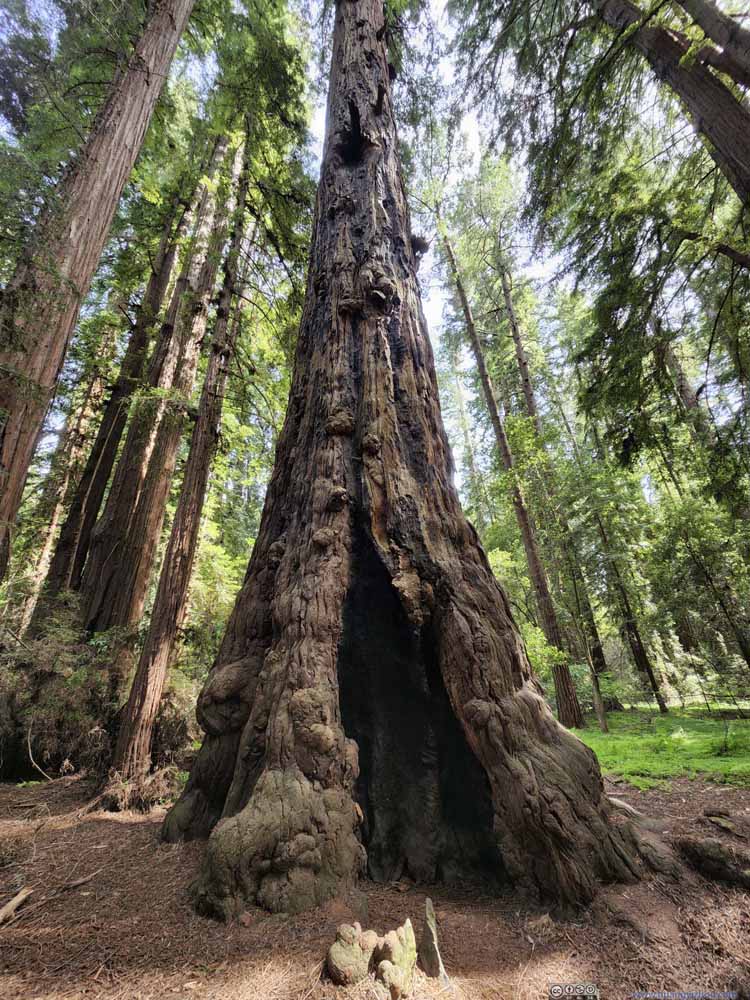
(372, 703)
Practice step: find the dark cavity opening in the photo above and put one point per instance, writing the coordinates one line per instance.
(351, 145)
(424, 795)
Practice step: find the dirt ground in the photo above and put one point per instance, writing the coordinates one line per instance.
(109, 917)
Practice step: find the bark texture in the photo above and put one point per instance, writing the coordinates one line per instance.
(372, 690)
(124, 541)
(568, 707)
(716, 112)
(40, 306)
(72, 547)
(133, 751)
(727, 32)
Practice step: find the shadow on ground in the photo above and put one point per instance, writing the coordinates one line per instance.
(127, 932)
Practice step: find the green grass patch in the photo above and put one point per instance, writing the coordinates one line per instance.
(647, 749)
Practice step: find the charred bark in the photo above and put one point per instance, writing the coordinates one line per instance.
(370, 640)
(133, 750)
(41, 303)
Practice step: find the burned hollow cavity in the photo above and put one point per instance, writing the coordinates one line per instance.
(424, 795)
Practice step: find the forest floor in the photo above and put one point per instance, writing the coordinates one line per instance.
(109, 918)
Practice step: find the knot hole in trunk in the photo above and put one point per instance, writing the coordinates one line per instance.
(352, 143)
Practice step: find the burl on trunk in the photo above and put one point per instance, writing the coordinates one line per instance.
(372, 705)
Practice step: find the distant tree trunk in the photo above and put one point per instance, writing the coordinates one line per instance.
(371, 679)
(629, 624)
(600, 707)
(475, 480)
(721, 28)
(133, 751)
(522, 361)
(721, 589)
(72, 547)
(593, 643)
(568, 707)
(674, 373)
(116, 575)
(715, 111)
(40, 306)
(64, 467)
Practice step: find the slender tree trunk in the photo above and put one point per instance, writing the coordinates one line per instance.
(133, 751)
(594, 643)
(721, 590)
(116, 575)
(715, 111)
(674, 373)
(483, 510)
(40, 306)
(725, 31)
(596, 692)
(569, 709)
(632, 632)
(73, 544)
(522, 360)
(629, 624)
(371, 682)
(64, 468)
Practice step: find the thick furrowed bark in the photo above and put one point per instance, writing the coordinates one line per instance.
(40, 306)
(370, 648)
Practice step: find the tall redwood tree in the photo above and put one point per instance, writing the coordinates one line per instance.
(372, 703)
(40, 306)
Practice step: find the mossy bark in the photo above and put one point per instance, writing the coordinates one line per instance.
(372, 703)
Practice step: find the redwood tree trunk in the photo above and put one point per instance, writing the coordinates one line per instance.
(73, 544)
(727, 32)
(371, 683)
(40, 306)
(594, 642)
(715, 111)
(568, 707)
(64, 467)
(630, 625)
(614, 577)
(133, 751)
(122, 549)
(481, 501)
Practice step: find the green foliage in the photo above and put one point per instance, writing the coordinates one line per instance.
(646, 749)
(55, 697)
